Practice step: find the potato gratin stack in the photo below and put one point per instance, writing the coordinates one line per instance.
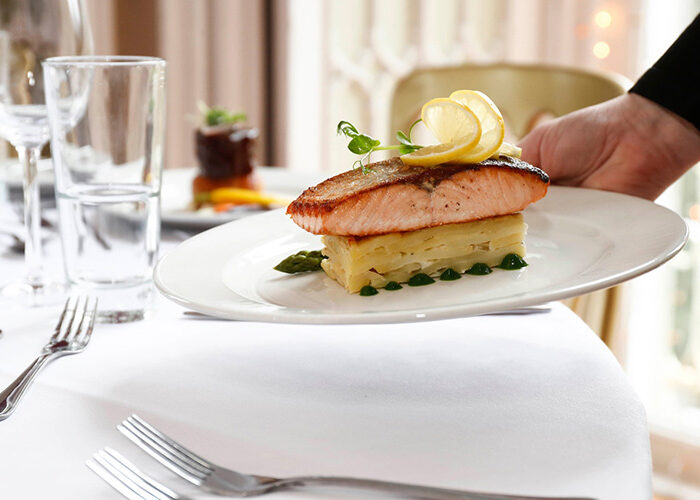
(447, 206)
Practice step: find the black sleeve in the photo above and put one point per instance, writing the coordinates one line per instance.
(674, 80)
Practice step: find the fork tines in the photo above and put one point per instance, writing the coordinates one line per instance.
(124, 477)
(65, 340)
(84, 308)
(167, 451)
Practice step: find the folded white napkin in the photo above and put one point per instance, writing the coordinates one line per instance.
(515, 404)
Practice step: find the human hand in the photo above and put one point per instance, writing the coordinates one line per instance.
(628, 144)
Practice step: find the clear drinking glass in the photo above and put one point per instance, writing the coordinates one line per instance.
(107, 118)
(30, 31)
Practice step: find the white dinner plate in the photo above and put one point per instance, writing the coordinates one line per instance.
(176, 195)
(578, 241)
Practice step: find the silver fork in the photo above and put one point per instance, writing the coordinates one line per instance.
(124, 477)
(71, 336)
(219, 480)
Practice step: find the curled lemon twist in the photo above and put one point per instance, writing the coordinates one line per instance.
(468, 125)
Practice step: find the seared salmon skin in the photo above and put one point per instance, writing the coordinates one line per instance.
(395, 197)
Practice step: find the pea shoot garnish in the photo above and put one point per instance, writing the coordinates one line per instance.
(219, 116)
(365, 145)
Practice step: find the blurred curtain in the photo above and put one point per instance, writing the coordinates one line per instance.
(347, 56)
(218, 51)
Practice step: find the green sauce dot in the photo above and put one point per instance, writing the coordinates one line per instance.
(450, 275)
(511, 262)
(420, 279)
(392, 285)
(479, 269)
(367, 291)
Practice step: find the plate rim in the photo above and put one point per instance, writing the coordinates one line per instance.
(301, 316)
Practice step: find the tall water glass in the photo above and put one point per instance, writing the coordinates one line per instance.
(31, 30)
(107, 119)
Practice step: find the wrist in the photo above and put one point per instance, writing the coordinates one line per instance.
(657, 128)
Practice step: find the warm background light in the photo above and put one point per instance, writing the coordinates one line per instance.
(695, 212)
(582, 31)
(601, 50)
(603, 19)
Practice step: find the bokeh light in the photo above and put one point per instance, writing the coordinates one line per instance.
(603, 19)
(601, 50)
(695, 212)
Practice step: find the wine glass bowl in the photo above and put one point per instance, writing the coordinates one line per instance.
(31, 31)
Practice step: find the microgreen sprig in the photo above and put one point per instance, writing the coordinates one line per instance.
(365, 145)
(219, 116)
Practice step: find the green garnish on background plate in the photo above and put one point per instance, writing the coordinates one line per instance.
(219, 116)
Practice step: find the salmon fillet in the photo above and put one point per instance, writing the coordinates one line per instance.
(396, 197)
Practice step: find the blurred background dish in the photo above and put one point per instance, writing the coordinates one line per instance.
(226, 153)
(176, 202)
(176, 197)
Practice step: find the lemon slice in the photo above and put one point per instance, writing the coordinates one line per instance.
(508, 149)
(430, 156)
(492, 126)
(454, 125)
(450, 121)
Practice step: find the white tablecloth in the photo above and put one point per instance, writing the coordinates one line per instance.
(530, 405)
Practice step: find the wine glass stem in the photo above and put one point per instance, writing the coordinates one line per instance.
(29, 157)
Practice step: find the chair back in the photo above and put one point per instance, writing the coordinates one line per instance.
(525, 94)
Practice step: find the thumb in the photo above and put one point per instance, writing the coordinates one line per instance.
(530, 145)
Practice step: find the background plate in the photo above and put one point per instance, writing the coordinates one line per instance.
(176, 195)
(578, 241)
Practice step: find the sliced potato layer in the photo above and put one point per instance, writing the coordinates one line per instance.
(376, 260)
